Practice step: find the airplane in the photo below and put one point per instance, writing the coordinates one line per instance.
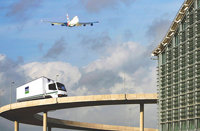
(72, 23)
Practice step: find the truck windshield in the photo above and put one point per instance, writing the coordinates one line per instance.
(61, 87)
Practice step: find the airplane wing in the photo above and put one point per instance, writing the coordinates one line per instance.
(56, 23)
(86, 23)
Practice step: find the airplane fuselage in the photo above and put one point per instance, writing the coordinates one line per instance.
(71, 23)
(74, 21)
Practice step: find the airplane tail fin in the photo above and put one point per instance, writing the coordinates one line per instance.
(68, 20)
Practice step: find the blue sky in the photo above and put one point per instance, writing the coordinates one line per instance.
(22, 32)
(89, 60)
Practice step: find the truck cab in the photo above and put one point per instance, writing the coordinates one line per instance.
(56, 90)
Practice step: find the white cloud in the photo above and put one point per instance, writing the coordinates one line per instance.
(119, 55)
(141, 81)
(125, 86)
(58, 48)
(8, 74)
(97, 5)
(2, 92)
(105, 75)
(22, 9)
(81, 91)
(2, 57)
(67, 73)
(157, 30)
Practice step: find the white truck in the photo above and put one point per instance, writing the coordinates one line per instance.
(40, 88)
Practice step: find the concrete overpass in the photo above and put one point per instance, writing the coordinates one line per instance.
(27, 112)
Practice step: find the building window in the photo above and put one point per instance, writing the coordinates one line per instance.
(198, 15)
(163, 127)
(163, 58)
(198, 123)
(191, 32)
(183, 125)
(169, 127)
(176, 126)
(184, 24)
(176, 39)
(191, 124)
(191, 8)
(183, 36)
(191, 19)
(198, 3)
(198, 27)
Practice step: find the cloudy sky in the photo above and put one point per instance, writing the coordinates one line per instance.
(89, 60)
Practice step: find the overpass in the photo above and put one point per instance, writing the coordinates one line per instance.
(27, 112)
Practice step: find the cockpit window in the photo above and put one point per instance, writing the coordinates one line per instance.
(61, 87)
(52, 86)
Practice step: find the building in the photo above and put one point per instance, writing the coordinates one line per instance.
(179, 71)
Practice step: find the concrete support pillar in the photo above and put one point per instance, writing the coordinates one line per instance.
(45, 121)
(16, 126)
(142, 117)
(49, 128)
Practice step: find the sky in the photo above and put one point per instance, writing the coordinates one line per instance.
(111, 57)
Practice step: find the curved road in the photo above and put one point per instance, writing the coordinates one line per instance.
(27, 112)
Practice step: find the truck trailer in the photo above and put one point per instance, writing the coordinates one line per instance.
(40, 88)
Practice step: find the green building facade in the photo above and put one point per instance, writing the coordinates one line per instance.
(178, 69)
